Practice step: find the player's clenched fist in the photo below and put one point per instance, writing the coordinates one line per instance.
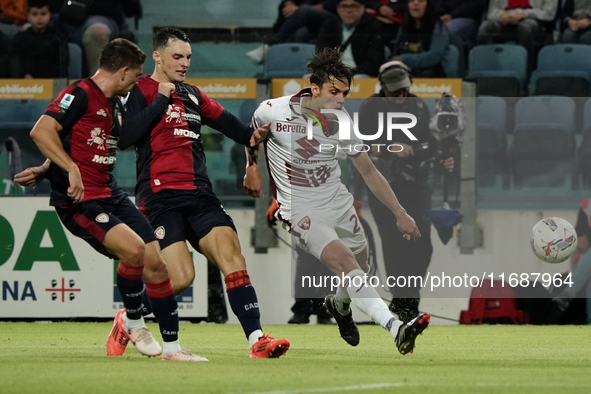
(166, 88)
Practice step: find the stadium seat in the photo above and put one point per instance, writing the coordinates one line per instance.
(543, 141)
(499, 70)
(584, 157)
(493, 302)
(563, 70)
(491, 139)
(247, 108)
(74, 61)
(23, 112)
(287, 60)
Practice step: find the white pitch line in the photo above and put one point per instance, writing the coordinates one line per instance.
(403, 384)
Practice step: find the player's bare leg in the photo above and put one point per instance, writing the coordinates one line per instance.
(221, 246)
(341, 260)
(180, 266)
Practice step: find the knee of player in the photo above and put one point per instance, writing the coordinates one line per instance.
(183, 283)
(134, 253)
(342, 264)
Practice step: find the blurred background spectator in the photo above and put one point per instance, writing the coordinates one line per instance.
(422, 40)
(297, 21)
(92, 24)
(575, 23)
(462, 17)
(40, 51)
(359, 36)
(523, 21)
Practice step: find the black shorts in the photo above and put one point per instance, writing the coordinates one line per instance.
(91, 220)
(179, 215)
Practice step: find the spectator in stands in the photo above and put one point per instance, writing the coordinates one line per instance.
(577, 23)
(358, 35)
(40, 51)
(389, 14)
(462, 17)
(297, 21)
(92, 27)
(422, 40)
(518, 20)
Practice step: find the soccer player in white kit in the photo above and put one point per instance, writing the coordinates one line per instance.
(313, 203)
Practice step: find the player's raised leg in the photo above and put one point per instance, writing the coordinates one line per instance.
(355, 289)
(221, 246)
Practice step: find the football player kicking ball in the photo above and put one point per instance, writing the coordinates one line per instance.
(78, 134)
(313, 203)
(173, 189)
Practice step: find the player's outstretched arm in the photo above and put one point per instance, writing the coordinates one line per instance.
(382, 190)
(32, 175)
(45, 134)
(252, 180)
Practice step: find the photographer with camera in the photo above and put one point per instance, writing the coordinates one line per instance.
(405, 164)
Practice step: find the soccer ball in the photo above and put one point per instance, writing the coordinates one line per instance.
(553, 240)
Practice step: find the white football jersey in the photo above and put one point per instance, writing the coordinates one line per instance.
(305, 173)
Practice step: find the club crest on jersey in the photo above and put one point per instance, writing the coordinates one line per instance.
(193, 98)
(174, 113)
(101, 112)
(160, 232)
(305, 223)
(66, 101)
(102, 218)
(97, 136)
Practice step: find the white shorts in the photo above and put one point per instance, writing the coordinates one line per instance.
(313, 230)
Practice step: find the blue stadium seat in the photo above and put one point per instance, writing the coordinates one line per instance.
(491, 139)
(562, 70)
(543, 148)
(499, 70)
(74, 61)
(247, 108)
(287, 60)
(24, 112)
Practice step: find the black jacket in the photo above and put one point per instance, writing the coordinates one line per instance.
(474, 9)
(366, 42)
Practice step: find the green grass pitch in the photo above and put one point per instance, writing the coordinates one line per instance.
(70, 358)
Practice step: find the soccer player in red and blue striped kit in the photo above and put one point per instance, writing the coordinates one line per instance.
(163, 120)
(78, 134)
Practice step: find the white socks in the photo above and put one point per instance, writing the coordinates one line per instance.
(367, 299)
(342, 301)
(254, 337)
(131, 325)
(170, 348)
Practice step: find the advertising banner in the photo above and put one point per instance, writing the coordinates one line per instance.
(46, 272)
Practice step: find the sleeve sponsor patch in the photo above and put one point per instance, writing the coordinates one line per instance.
(66, 101)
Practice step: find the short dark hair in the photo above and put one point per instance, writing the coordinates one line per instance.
(37, 4)
(163, 34)
(121, 53)
(327, 63)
